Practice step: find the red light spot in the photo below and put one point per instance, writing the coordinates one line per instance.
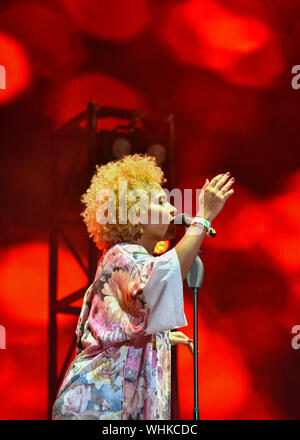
(24, 278)
(17, 69)
(24, 313)
(73, 96)
(242, 49)
(34, 25)
(246, 234)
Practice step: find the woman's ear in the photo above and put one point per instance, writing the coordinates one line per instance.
(139, 231)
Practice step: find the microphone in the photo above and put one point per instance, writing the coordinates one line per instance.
(194, 276)
(184, 220)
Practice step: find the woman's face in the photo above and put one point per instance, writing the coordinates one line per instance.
(160, 214)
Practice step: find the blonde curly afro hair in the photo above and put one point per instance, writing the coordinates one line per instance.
(139, 171)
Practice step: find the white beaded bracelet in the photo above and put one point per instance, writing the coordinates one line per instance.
(203, 222)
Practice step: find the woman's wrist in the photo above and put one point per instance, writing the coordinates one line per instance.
(207, 216)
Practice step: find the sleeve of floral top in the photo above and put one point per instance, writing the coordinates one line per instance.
(163, 291)
(149, 290)
(158, 281)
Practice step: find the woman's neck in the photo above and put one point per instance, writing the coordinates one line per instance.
(147, 242)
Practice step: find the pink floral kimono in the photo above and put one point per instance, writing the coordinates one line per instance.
(123, 357)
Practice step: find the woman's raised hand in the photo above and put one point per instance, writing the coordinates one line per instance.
(213, 196)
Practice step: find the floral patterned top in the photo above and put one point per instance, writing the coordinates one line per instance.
(122, 367)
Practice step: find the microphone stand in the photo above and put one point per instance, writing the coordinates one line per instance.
(194, 280)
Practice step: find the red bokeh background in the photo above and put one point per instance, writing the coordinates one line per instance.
(224, 70)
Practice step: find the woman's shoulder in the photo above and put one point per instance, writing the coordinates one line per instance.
(132, 253)
(122, 257)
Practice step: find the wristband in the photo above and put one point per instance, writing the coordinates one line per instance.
(202, 221)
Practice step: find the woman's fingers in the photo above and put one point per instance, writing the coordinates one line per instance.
(226, 187)
(218, 182)
(181, 335)
(185, 340)
(228, 194)
(205, 184)
(188, 343)
(221, 181)
(191, 347)
(214, 181)
(181, 338)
